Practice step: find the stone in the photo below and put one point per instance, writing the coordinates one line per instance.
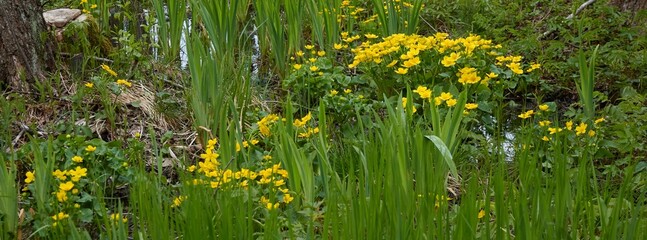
(60, 17)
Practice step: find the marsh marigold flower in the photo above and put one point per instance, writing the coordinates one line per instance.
(108, 70)
(450, 60)
(30, 177)
(581, 129)
(544, 107)
(527, 114)
(424, 92)
(302, 122)
(451, 102)
(66, 186)
(90, 148)
(77, 159)
(402, 71)
(124, 82)
(471, 106)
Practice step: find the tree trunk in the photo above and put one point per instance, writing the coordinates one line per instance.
(631, 5)
(26, 49)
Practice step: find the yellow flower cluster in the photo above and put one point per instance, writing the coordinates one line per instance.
(115, 217)
(264, 124)
(413, 45)
(512, 62)
(272, 178)
(302, 122)
(446, 97)
(581, 129)
(75, 176)
(59, 217)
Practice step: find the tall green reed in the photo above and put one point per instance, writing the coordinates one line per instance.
(8, 199)
(270, 26)
(170, 32)
(323, 21)
(395, 17)
(587, 82)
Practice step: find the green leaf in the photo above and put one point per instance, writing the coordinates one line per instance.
(444, 151)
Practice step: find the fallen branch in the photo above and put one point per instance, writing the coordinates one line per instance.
(579, 9)
(571, 16)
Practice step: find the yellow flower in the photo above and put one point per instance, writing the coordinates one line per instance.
(333, 92)
(338, 46)
(450, 60)
(591, 133)
(370, 36)
(93, 6)
(554, 130)
(279, 183)
(108, 69)
(90, 148)
(533, 67)
(526, 114)
(545, 139)
(543, 107)
(445, 96)
(192, 168)
(271, 206)
(83, 1)
(117, 217)
(302, 122)
(61, 196)
(210, 155)
(481, 214)
(402, 71)
(310, 47)
(411, 62)
(392, 63)
(314, 68)
(287, 198)
(581, 129)
(515, 67)
(124, 82)
(544, 123)
(599, 120)
(66, 186)
(569, 125)
(437, 101)
(424, 92)
(321, 53)
(86, 12)
(77, 173)
(60, 174)
(267, 157)
(77, 159)
(347, 91)
(30, 177)
(451, 102)
(296, 66)
(60, 216)
(89, 85)
(471, 106)
(300, 53)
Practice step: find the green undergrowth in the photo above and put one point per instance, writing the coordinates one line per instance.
(349, 120)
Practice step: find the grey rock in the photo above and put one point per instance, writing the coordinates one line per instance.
(60, 17)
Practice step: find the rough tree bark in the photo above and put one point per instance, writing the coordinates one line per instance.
(631, 5)
(26, 49)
